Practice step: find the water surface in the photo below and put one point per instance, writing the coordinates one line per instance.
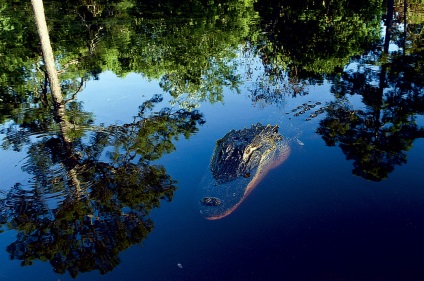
(109, 189)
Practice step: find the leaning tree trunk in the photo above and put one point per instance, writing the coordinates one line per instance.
(59, 111)
(43, 33)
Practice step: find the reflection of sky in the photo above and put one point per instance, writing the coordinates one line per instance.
(392, 46)
(10, 167)
(111, 104)
(10, 164)
(116, 100)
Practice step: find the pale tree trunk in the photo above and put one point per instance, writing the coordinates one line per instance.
(60, 111)
(43, 33)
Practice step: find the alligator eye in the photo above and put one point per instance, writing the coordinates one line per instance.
(246, 175)
(211, 201)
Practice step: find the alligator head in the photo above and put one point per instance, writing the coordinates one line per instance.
(239, 162)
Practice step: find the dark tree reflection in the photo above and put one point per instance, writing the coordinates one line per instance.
(90, 198)
(375, 148)
(306, 42)
(378, 136)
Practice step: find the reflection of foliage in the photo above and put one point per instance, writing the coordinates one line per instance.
(378, 137)
(208, 86)
(150, 137)
(271, 83)
(74, 237)
(39, 120)
(311, 39)
(90, 200)
(191, 51)
(306, 42)
(376, 148)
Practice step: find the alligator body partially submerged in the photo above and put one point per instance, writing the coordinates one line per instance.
(239, 162)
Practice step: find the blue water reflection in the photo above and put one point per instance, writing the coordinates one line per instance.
(309, 212)
(109, 188)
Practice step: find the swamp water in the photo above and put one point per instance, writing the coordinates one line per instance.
(115, 192)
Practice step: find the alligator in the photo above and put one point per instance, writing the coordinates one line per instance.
(239, 162)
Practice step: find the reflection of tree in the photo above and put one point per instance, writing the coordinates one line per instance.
(375, 147)
(191, 51)
(378, 137)
(48, 57)
(308, 41)
(102, 189)
(100, 207)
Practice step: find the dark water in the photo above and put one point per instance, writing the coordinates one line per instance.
(111, 188)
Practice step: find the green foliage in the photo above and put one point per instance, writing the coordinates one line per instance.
(191, 51)
(374, 147)
(154, 136)
(378, 138)
(105, 181)
(314, 39)
(103, 205)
